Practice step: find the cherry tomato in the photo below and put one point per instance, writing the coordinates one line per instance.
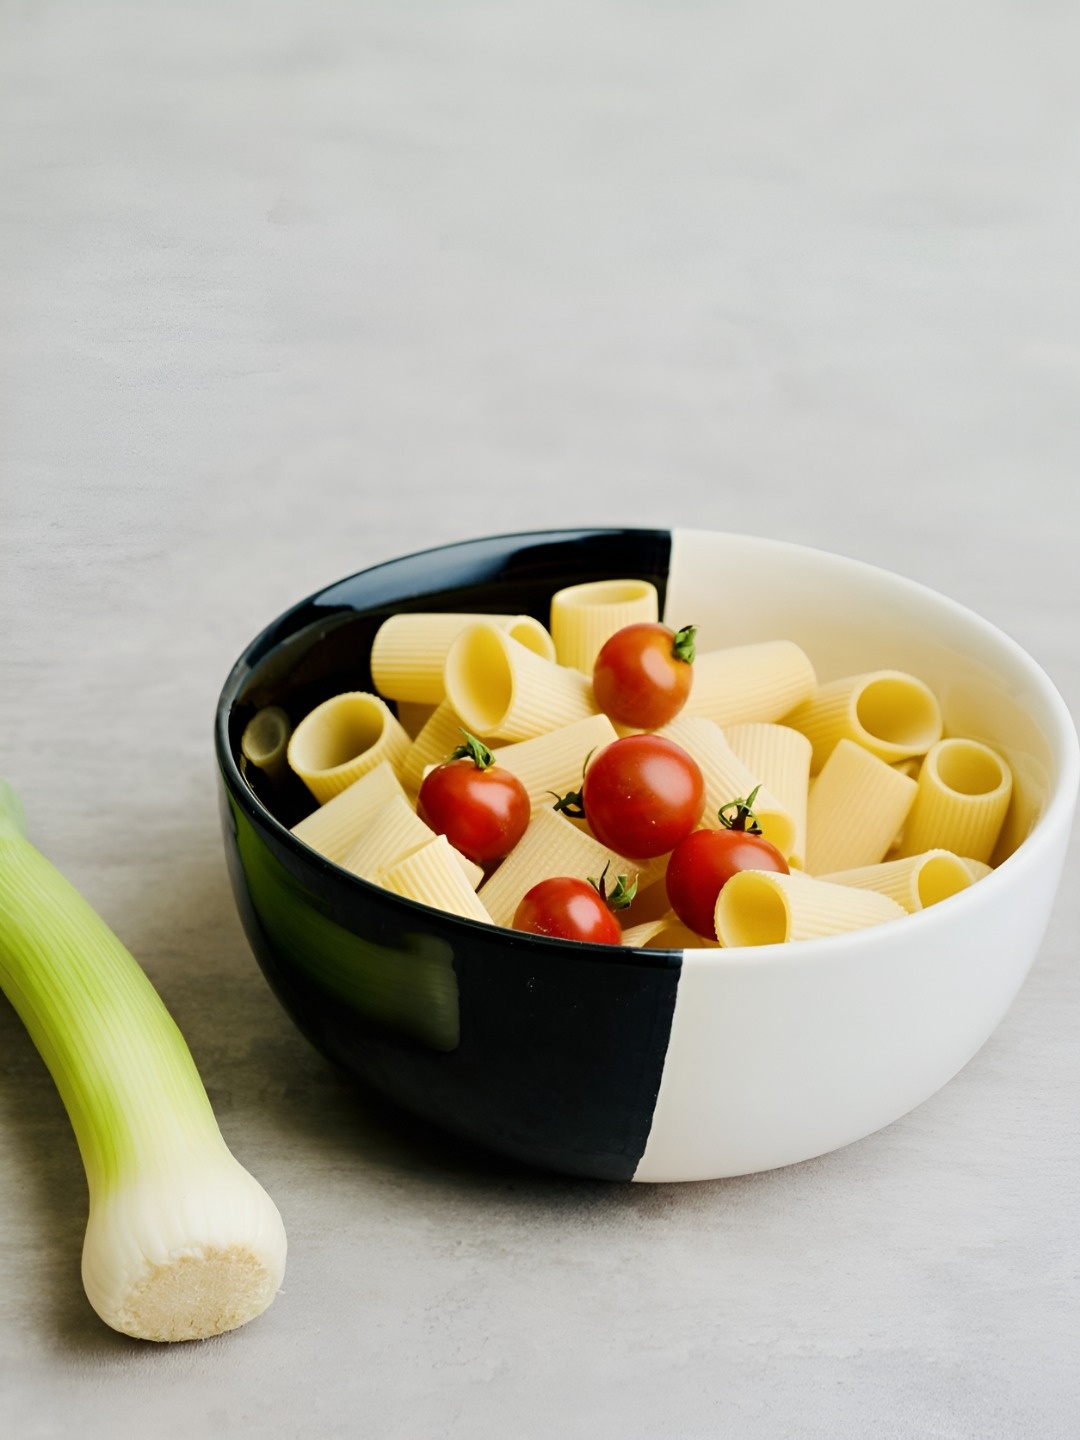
(702, 864)
(567, 909)
(642, 675)
(642, 794)
(482, 808)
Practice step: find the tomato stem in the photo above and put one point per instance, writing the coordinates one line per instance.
(682, 647)
(621, 896)
(474, 750)
(743, 812)
(569, 804)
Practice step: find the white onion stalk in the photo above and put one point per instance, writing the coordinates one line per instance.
(181, 1242)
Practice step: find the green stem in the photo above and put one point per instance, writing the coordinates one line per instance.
(120, 1064)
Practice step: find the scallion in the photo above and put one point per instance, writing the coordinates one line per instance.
(181, 1242)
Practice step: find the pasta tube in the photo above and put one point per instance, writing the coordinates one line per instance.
(750, 682)
(553, 763)
(344, 738)
(667, 933)
(856, 808)
(888, 712)
(506, 692)
(438, 738)
(395, 833)
(432, 876)
(551, 846)
(333, 828)
(727, 779)
(762, 907)
(409, 651)
(266, 739)
(962, 794)
(781, 757)
(914, 882)
(584, 617)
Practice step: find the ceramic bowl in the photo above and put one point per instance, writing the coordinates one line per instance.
(650, 1065)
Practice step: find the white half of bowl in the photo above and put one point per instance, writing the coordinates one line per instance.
(781, 1053)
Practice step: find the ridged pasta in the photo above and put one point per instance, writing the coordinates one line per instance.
(780, 756)
(506, 692)
(393, 833)
(344, 738)
(584, 617)
(550, 846)
(760, 907)
(962, 795)
(335, 827)
(437, 740)
(409, 651)
(667, 933)
(750, 682)
(875, 812)
(266, 739)
(554, 762)
(432, 876)
(914, 882)
(856, 808)
(892, 714)
(727, 779)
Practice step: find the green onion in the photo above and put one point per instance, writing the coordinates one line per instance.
(181, 1242)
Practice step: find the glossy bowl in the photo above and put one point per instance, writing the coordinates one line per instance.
(650, 1065)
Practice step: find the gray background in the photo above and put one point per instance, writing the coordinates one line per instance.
(288, 289)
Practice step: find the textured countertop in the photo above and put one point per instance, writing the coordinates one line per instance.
(288, 289)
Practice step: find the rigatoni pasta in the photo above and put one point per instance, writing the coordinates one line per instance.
(760, 907)
(506, 692)
(780, 756)
(432, 876)
(266, 739)
(395, 833)
(333, 828)
(961, 797)
(551, 846)
(727, 779)
(342, 739)
(584, 617)
(750, 682)
(551, 764)
(874, 812)
(888, 712)
(915, 881)
(855, 810)
(438, 737)
(409, 651)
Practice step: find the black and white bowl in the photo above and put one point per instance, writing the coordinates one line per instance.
(633, 1064)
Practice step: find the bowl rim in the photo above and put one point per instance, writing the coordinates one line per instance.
(1061, 801)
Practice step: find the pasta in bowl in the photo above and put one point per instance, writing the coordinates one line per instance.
(669, 1056)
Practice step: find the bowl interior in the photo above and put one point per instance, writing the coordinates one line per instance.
(848, 616)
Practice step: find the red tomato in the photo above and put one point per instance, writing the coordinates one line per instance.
(483, 812)
(702, 864)
(567, 909)
(642, 794)
(642, 674)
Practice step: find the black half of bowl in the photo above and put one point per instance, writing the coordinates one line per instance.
(542, 1050)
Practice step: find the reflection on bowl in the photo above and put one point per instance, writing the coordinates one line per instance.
(649, 1064)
